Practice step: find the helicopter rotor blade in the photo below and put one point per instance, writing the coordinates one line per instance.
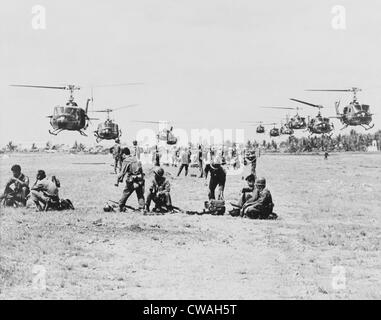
(331, 90)
(289, 108)
(32, 86)
(124, 107)
(117, 85)
(307, 103)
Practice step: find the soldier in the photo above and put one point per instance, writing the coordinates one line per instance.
(159, 192)
(247, 193)
(261, 205)
(251, 157)
(132, 170)
(44, 190)
(157, 156)
(116, 154)
(17, 188)
(184, 159)
(201, 161)
(217, 178)
(136, 150)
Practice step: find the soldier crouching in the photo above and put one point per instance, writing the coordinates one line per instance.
(132, 170)
(159, 192)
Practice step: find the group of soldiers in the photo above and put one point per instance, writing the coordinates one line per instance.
(255, 200)
(44, 193)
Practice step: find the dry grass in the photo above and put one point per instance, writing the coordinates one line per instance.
(329, 216)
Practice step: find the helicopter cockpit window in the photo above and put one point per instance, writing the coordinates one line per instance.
(58, 111)
(357, 107)
(365, 107)
(74, 112)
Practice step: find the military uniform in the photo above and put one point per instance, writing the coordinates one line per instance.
(16, 190)
(116, 153)
(184, 162)
(159, 193)
(260, 205)
(217, 178)
(132, 170)
(251, 157)
(43, 191)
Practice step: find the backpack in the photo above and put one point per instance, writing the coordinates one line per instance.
(215, 207)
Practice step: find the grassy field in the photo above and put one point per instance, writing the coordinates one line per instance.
(328, 228)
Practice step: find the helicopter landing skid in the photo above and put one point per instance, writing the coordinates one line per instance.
(82, 133)
(346, 126)
(55, 132)
(367, 127)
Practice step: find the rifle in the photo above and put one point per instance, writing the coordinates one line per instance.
(126, 206)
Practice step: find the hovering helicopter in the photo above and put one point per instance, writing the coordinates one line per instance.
(296, 122)
(318, 124)
(274, 132)
(109, 130)
(165, 134)
(354, 114)
(286, 130)
(69, 117)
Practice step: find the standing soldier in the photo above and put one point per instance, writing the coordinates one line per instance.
(17, 188)
(159, 192)
(116, 154)
(250, 156)
(201, 161)
(184, 159)
(136, 150)
(217, 178)
(156, 156)
(132, 170)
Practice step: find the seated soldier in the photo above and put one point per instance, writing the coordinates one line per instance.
(159, 192)
(260, 206)
(44, 191)
(16, 189)
(247, 193)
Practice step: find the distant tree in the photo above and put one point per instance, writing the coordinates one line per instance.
(11, 147)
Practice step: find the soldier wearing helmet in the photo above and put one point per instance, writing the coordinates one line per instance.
(217, 178)
(261, 205)
(133, 171)
(159, 192)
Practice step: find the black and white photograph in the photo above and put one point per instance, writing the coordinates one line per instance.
(190, 150)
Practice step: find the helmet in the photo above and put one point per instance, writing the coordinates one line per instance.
(250, 177)
(41, 174)
(16, 168)
(260, 182)
(159, 171)
(135, 143)
(126, 151)
(108, 208)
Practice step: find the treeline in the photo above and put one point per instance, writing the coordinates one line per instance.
(353, 141)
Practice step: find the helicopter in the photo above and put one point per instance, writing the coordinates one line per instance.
(69, 117)
(165, 134)
(318, 124)
(354, 114)
(109, 130)
(286, 130)
(296, 122)
(274, 132)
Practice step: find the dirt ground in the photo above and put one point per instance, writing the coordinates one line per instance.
(325, 245)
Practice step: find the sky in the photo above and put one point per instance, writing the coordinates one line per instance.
(204, 63)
